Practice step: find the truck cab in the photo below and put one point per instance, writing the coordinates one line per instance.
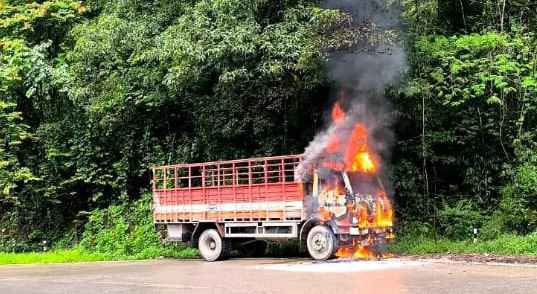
(356, 209)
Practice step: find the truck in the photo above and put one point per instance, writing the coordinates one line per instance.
(221, 205)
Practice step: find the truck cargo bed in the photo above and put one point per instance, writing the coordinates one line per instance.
(254, 189)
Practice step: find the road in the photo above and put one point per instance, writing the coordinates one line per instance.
(268, 276)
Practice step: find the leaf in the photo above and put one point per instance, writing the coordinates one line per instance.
(529, 82)
(494, 100)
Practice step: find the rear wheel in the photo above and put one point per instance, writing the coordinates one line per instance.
(212, 247)
(321, 243)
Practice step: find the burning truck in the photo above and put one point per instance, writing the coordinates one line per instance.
(331, 199)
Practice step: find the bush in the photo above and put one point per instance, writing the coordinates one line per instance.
(14, 240)
(517, 212)
(494, 227)
(416, 229)
(519, 200)
(457, 222)
(128, 230)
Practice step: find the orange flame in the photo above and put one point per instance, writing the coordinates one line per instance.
(357, 157)
(325, 214)
(363, 162)
(358, 252)
(362, 216)
(384, 216)
(338, 115)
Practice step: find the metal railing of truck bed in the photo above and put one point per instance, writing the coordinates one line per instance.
(198, 191)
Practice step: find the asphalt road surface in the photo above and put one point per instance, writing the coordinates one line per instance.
(268, 276)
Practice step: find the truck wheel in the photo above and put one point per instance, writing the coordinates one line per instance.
(212, 247)
(321, 243)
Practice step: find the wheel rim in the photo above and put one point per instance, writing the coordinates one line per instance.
(212, 245)
(320, 242)
(209, 243)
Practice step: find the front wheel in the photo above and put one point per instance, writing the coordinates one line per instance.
(321, 243)
(212, 247)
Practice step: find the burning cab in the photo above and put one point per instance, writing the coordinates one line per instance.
(355, 208)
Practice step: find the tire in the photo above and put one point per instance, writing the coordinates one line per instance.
(226, 249)
(212, 247)
(321, 243)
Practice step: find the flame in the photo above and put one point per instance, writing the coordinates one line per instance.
(325, 214)
(358, 156)
(357, 251)
(362, 216)
(384, 216)
(362, 162)
(354, 154)
(338, 115)
(363, 252)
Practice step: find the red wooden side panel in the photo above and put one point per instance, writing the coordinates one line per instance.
(242, 193)
(249, 189)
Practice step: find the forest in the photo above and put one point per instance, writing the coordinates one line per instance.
(93, 93)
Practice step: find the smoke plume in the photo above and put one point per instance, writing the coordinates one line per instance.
(360, 77)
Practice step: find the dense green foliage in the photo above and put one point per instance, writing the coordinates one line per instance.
(93, 93)
(468, 117)
(121, 231)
